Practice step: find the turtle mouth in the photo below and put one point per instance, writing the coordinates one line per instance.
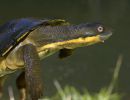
(103, 37)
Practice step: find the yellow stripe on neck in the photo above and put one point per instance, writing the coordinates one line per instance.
(74, 43)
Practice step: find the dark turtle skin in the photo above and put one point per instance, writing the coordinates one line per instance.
(25, 42)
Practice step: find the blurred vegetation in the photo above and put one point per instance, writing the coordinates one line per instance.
(70, 93)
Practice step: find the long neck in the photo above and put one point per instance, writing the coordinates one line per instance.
(61, 33)
(51, 34)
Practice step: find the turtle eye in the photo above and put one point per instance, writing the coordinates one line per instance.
(100, 29)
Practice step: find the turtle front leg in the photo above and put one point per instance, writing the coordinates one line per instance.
(32, 72)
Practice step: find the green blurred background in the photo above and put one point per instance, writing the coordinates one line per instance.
(89, 67)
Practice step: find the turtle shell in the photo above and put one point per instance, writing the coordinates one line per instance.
(15, 31)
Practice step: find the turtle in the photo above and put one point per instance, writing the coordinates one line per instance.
(24, 42)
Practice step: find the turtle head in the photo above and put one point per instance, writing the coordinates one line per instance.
(97, 31)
